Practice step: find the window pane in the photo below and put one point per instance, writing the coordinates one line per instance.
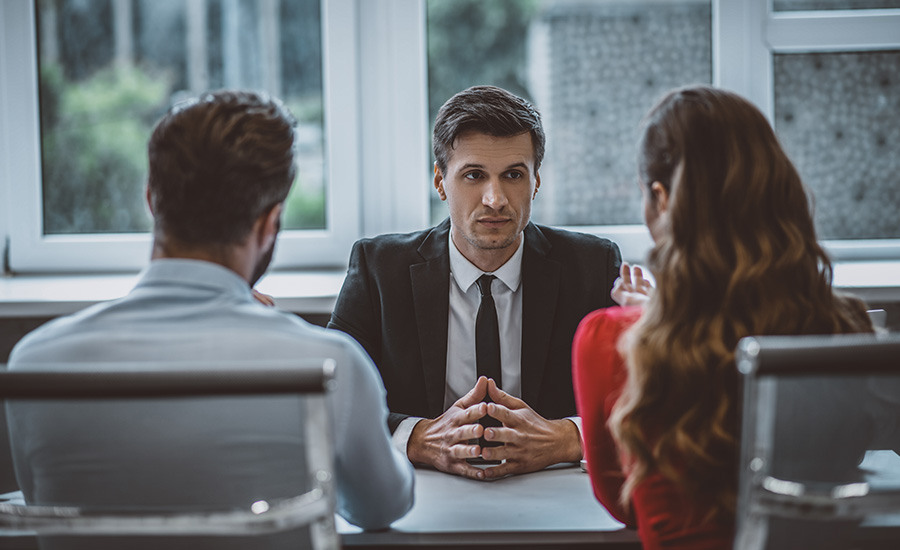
(800, 5)
(592, 69)
(110, 68)
(838, 116)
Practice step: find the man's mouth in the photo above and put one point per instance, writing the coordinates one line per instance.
(493, 222)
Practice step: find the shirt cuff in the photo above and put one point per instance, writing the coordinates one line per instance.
(400, 437)
(577, 421)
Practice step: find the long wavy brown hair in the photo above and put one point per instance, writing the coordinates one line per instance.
(737, 256)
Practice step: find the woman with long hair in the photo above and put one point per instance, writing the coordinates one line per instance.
(735, 255)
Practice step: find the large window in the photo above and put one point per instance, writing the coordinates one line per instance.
(838, 116)
(592, 69)
(97, 76)
(83, 81)
(110, 68)
(826, 74)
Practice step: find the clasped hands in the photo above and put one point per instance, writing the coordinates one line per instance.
(530, 442)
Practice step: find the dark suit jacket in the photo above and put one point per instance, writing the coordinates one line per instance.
(395, 302)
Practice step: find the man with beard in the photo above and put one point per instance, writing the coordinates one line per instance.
(220, 168)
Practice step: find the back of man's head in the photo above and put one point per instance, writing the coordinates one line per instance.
(216, 163)
(488, 110)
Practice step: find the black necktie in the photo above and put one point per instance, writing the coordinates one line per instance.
(487, 346)
(487, 333)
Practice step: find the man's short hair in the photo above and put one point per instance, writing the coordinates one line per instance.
(488, 110)
(217, 163)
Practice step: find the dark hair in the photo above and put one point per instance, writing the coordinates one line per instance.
(739, 257)
(217, 163)
(489, 110)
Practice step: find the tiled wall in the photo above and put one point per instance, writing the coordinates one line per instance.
(838, 117)
(608, 64)
(837, 114)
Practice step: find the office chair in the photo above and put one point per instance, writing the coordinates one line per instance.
(310, 379)
(820, 433)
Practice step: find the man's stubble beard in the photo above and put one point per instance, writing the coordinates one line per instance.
(486, 244)
(262, 265)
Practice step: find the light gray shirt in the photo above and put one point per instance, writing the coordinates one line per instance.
(230, 451)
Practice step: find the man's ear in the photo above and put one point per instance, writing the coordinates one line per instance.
(661, 196)
(439, 182)
(270, 224)
(537, 184)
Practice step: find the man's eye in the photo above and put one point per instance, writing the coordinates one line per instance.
(473, 175)
(514, 175)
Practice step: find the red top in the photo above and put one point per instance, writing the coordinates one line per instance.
(658, 508)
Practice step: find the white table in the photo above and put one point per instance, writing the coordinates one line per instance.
(550, 509)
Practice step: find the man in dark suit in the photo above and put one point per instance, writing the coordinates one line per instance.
(424, 305)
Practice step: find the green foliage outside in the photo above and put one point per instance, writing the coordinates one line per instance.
(94, 135)
(95, 147)
(305, 205)
(308, 109)
(304, 209)
(474, 42)
(95, 131)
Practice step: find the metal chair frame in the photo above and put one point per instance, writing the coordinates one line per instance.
(761, 362)
(310, 378)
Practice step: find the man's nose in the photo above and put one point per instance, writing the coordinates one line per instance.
(494, 196)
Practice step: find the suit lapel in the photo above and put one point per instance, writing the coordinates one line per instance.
(431, 299)
(540, 280)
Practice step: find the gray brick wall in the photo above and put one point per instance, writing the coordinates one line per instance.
(607, 65)
(838, 117)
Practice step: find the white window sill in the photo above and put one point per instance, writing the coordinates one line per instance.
(53, 295)
(315, 291)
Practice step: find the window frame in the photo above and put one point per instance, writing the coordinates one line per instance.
(28, 250)
(745, 65)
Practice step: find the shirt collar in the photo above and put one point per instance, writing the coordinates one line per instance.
(196, 273)
(465, 273)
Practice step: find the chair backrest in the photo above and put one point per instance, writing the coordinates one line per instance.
(878, 318)
(102, 382)
(820, 433)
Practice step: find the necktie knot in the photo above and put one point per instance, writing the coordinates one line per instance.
(484, 284)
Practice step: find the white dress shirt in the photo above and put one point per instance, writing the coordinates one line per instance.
(464, 301)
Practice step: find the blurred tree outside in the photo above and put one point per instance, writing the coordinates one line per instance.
(305, 207)
(109, 70)
(460, 34)
(94, 135)
(301, 67)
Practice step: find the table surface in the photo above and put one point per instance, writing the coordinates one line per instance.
(553, 507)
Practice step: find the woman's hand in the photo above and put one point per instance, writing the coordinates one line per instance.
(631, 288)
